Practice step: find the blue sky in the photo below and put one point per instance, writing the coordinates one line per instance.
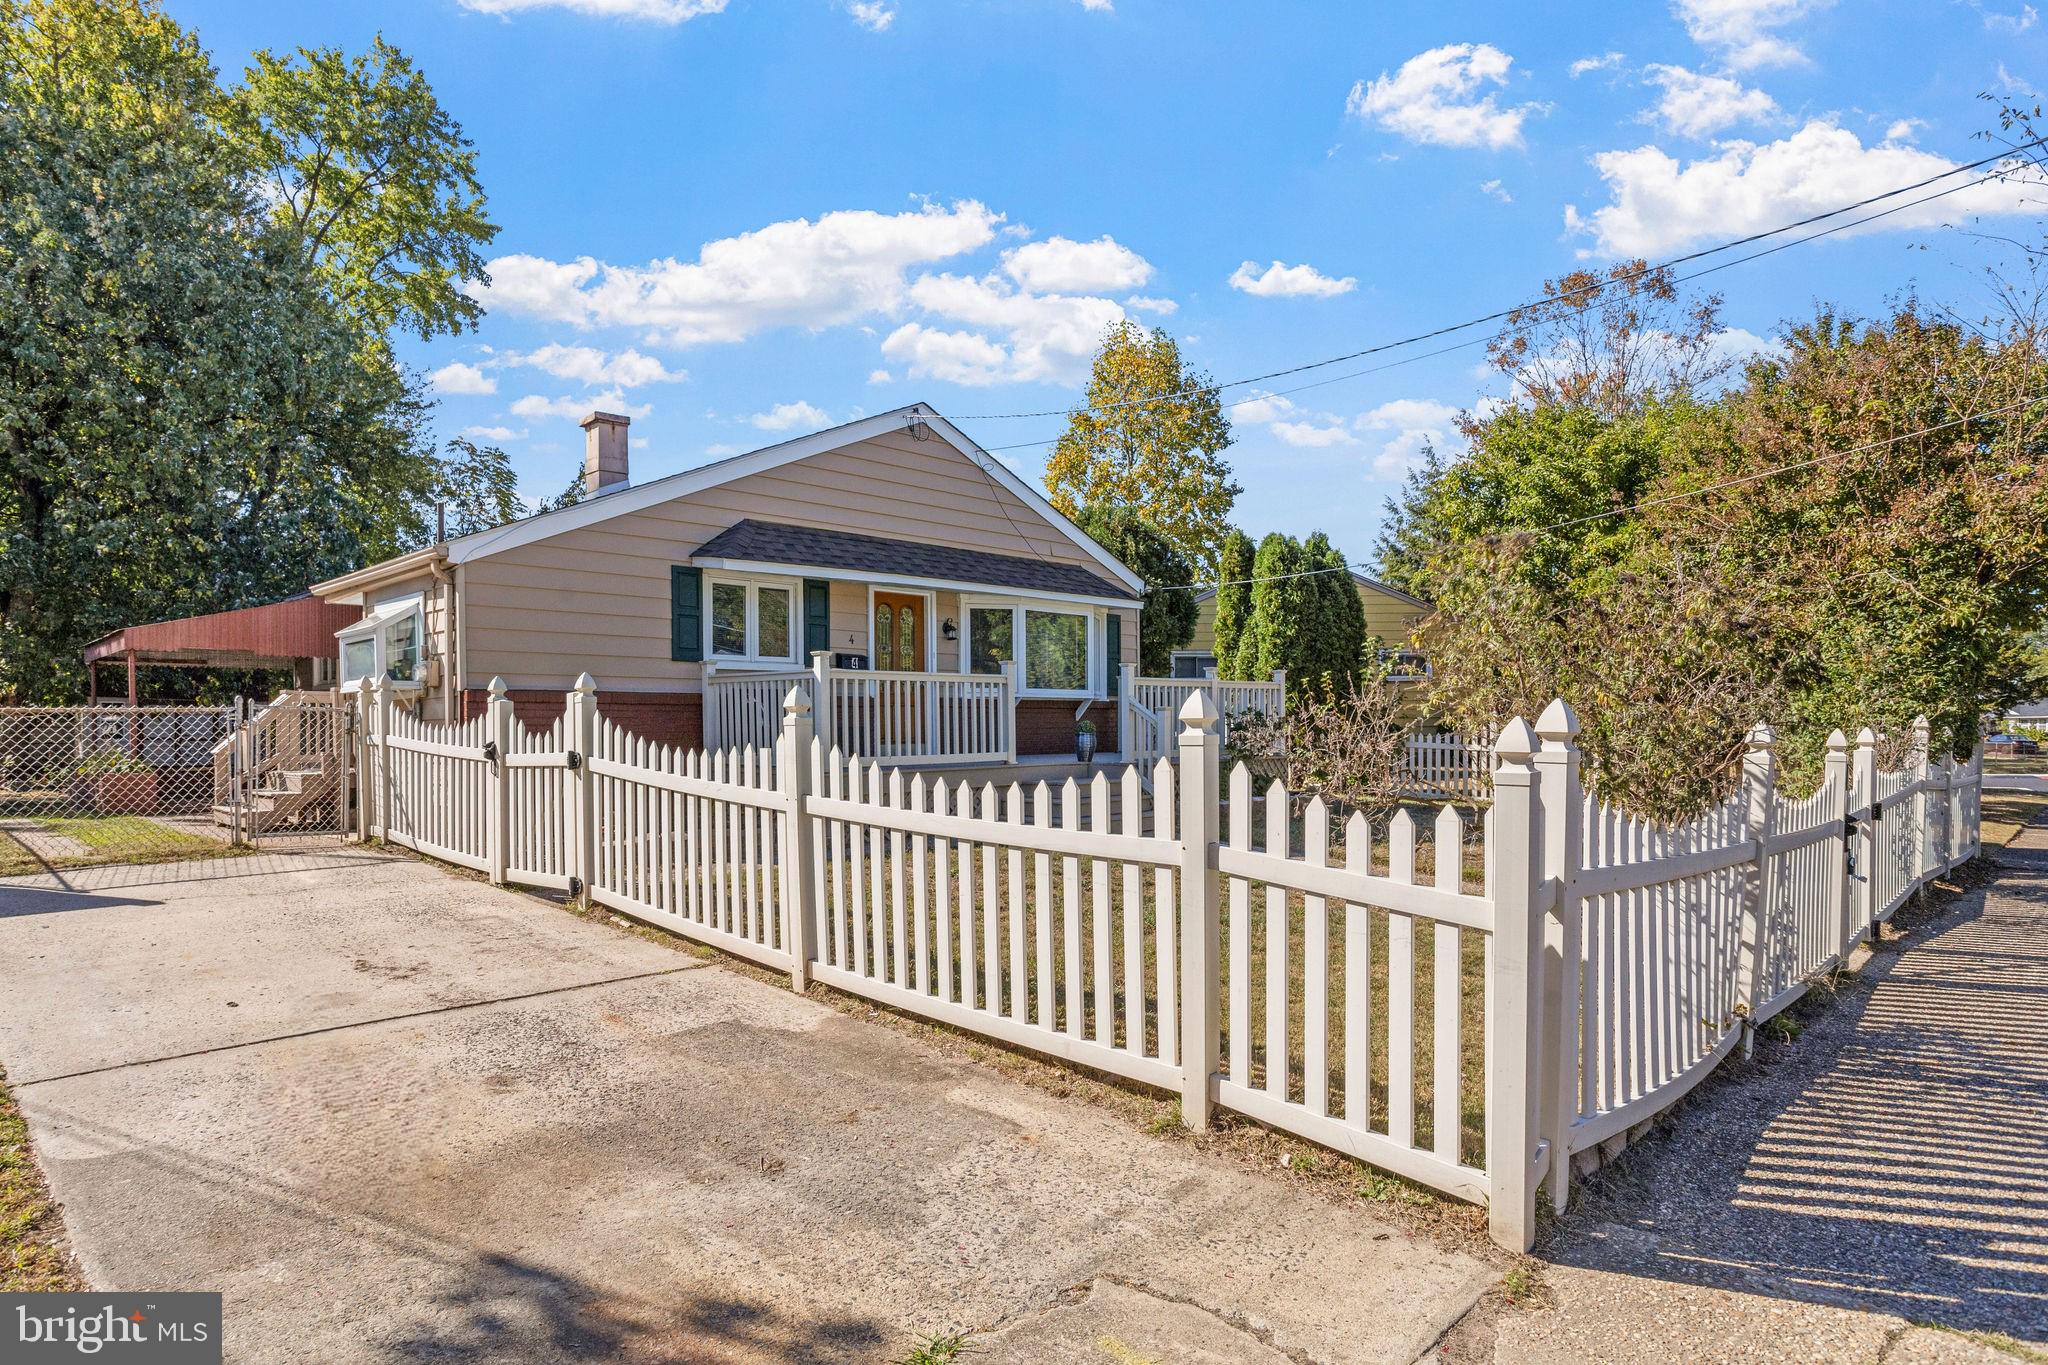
(741, 220)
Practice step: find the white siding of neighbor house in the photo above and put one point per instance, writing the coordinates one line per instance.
(596, 599)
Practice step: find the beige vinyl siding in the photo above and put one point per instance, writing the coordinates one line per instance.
(1390, 617)
(597, 598)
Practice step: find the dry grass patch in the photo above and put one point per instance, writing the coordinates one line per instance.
(32, 1255)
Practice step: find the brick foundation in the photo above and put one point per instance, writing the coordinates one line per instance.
(1046, 726)
(664, 717)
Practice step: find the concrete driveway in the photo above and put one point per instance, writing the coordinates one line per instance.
(397, 1115)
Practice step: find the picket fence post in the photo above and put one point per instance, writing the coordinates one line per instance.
(1563, 802)
(1836, 780)
(1515, 855)
(822, 705)
(366, 760)
(1760, 801)
(797, 877)
(581, 709)
(380, 710)
(1920, 823)
(1200, 829)
(1126, 684)
(1863, 770)
(498, 733)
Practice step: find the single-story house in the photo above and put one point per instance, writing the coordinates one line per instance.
(1390, 617)
(932, 591)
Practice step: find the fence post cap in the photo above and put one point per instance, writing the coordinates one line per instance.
(796, 703)
(1198, 712)
(1558, 721)
(1920, 724)
(1838, 743)
(377, 685)
(1517, 743)
(1866, 738)
(585, 684)
(497, 689)
(1761, 736)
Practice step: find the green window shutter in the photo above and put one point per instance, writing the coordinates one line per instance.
(686, 613)
(1115, 653)
(817, 616)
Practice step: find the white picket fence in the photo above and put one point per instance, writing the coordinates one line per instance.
(1446, 767)
(1466, 1012)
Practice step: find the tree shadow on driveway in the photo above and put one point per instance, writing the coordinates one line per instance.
(1892, 1158)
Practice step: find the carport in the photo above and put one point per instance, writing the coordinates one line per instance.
(295, 634)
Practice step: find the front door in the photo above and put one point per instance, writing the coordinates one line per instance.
(899, 648)
(899, 632)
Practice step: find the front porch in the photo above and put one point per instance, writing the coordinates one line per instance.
(961, 721)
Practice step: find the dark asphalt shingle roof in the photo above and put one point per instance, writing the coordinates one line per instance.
(768, 542)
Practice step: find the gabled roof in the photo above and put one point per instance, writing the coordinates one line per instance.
(768, 542)
(592, 511)
(1363, 581)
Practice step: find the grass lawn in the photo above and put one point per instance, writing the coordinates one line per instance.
(2005, 814)
(105, 839)
(32, 1257)
(2016, 763)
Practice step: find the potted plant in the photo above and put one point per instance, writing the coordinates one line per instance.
(1084, 741)
(114, 783)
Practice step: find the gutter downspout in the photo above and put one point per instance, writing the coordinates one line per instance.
(461, 637)
(449, 664)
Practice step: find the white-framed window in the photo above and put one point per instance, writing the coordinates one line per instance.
(752, 620)
(389, 643)
(1057, 645)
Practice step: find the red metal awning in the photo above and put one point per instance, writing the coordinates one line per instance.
(270, 636)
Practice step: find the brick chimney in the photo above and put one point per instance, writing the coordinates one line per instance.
(604, 452)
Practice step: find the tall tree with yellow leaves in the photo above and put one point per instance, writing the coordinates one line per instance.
(1151, 437)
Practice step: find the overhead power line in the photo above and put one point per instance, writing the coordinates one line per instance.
(1476, 341)
(1498, 315)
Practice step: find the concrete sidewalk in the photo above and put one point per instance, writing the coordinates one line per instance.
(398, 1115)
(1888, 1168)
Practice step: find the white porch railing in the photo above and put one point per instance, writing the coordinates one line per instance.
(887, 716)
(1144, 730)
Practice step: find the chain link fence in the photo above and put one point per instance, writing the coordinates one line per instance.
(82, 786)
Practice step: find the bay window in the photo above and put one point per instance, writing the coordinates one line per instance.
(389, 643)
(750, 621)
(1056, 643)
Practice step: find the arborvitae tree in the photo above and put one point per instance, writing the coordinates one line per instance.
(1233, 604)
(1336, 642)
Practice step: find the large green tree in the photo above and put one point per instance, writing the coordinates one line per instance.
(1150, 437)
(1303, 616)
(1168, 620)
(192, 416)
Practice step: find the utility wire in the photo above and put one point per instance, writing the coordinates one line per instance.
(1475, 341)
(1594, 288)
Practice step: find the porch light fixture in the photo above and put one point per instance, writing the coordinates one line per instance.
(949, 630)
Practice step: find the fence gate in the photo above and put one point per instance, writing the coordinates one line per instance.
(83, 785)
(285, 768)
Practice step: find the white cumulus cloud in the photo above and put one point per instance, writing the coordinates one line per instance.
(459, 378)
(843, 266)
(1047, 337)
(789, 416)
(1059, 265)
(1418, 425)
(1584, 65)
(628, 369)
(1494, 189)
(1695, 104)
(1658, 204)
(654, 11)
(494, 433)
(872, 15)
(1743, 33)
(955, 357)
(1279, 281)
(572, 408)
(1434, 98)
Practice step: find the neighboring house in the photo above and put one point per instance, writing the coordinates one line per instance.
(1390, 616)
(939, 583)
